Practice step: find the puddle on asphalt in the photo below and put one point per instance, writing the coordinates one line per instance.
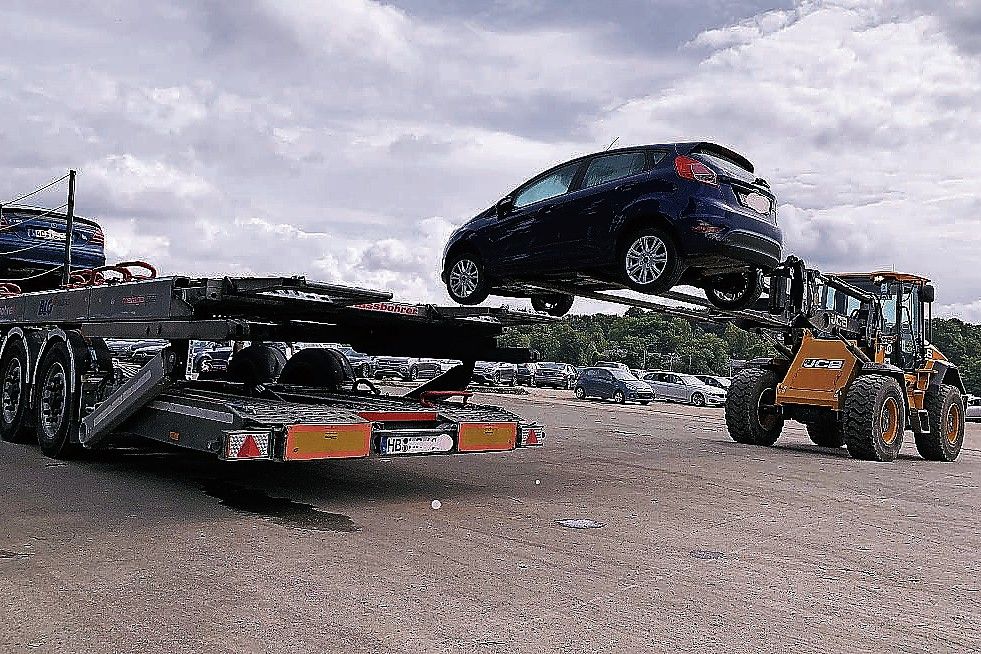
(280, 510)
(581, 523)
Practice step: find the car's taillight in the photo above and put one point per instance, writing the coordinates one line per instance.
(98, 238)
(692, 169)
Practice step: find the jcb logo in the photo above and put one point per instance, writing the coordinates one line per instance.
(824, 364)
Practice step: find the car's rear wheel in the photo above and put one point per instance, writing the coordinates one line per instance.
(553, 305)
(736, 291)
(649, 261)
(580, 392)
(466, 279)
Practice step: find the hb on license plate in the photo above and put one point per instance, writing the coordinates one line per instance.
(416, 444)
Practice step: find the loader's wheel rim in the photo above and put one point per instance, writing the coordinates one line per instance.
(889, 420)
(464, 278)
(764, 409)
(12, 381)
(646, 259)
(952, 424)
(54, 399)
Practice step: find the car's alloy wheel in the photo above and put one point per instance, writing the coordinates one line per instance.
(649, 262)
(698, 399)
(619, 397)
(466, 280)
(580, 392)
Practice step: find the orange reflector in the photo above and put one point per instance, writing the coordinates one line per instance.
(487, 436)
(309, 442)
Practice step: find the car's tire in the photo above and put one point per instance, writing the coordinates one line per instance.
(946, 436)
(874, 418)
(14, 389)
(737, 291)
(619, 397)
(753, 389)
(826, 431)
(649, 261)
(580, 392)
(697, 399)
(466, 279)
(554, 305)
(645, 402)
(54, 407)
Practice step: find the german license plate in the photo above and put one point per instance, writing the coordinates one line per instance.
(429, 444)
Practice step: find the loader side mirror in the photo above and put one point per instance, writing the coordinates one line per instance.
(928, 293)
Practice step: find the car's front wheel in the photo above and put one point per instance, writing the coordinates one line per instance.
(736, 291)
(554, 305)
(649, 261)
(466, 279)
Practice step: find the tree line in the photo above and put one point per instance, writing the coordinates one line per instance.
(647, 339)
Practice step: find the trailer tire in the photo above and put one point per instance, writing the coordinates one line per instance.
(874, 418)
(826, 431)
(946, 436)
(14, 388)
(751, 389)
(55, 403)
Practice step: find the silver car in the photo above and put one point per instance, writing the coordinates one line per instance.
(678, 387)
(973, 408)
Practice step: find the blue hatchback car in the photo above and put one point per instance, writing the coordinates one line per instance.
(33, 241)
(646, 218)
(612, 384)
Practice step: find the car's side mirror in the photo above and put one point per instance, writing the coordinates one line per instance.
(928, 293)
(505, 206)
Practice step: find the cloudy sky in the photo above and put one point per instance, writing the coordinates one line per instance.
(344, 139)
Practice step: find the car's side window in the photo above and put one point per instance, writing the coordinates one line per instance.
(614, 166)
(547, 187)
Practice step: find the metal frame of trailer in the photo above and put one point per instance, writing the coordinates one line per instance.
(233, 420)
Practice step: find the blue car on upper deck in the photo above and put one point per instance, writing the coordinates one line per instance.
(646, 218)
(33, 241)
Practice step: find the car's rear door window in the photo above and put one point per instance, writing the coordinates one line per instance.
(552, 185)
(611, 167)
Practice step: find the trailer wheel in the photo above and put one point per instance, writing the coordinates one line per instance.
(55, 423)
(13, 392)
(751, 414)
(946, 436)
(826, 431)
(874, 418)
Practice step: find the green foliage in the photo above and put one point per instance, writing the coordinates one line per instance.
(637, 338)
(695, 347)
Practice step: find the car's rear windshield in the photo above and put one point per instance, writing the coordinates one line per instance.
(622, 374)
(555, 366)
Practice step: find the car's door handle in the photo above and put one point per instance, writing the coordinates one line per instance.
(625, 187)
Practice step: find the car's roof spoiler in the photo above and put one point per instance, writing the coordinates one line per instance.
(724, 152)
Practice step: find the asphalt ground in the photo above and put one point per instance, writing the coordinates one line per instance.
(700, 544)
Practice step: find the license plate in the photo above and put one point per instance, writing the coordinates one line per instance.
(430, 444)
(47, 234)
(757, 202)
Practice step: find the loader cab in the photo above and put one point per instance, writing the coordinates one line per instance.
(906, 311)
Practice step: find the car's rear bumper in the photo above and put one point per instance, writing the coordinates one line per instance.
(752, 248)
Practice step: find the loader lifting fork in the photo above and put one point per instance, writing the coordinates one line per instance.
(855, 365)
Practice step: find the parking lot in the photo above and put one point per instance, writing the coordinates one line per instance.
(699, 544)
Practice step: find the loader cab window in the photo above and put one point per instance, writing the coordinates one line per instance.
(910, 322)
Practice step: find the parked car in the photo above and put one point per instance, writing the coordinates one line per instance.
(717, 382)
(612, 384)
(135, 351)
(526, 374)
(612, 364)
(973, 408)
(33, 240)
(213, 360)
(362, 364)
(495, 373)
(407, 368)
(556, 375)
(677, 387)
(645, 218)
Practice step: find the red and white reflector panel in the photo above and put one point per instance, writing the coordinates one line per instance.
(247, 445)
(531, 436)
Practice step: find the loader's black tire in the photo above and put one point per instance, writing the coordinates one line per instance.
(751, 390)
(14, 390)
(826, 431)
(55, 404)
(874, 418)
(946, 436)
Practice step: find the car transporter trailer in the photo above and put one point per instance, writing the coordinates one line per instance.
(59, 382)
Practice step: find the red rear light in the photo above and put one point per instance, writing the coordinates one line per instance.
(692, 169)
(98, 238)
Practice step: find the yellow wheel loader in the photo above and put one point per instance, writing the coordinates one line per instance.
(854, 364)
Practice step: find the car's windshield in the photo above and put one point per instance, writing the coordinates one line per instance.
(552, 366)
